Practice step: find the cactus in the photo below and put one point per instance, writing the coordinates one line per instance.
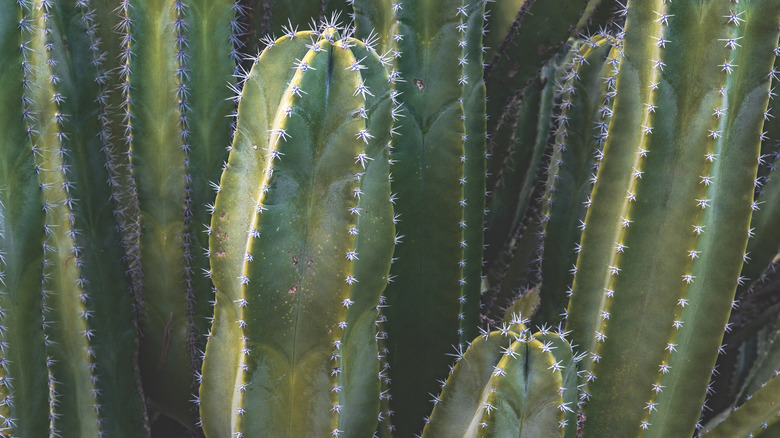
(586, 106)
(177, 63)
(513, 203)
(391, 185)
(23, 221)
(754, 417)
(301, 243)
(438, 171)
(509, 382)
(525, 35)
(72, 304)
(631, 235)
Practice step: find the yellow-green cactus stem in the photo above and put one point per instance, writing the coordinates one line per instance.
(301, 242)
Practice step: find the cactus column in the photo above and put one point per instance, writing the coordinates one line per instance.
(438, 175)
(301, 242)
(658, 270)
(85, 378)
(177, 67)
(25, 407)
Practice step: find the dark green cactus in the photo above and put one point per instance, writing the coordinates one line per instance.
(754, 417)
(585, 109)
(301, 242)
(513, 203)
(177, 57)
(22, 235)
(524, 35)
(438, 171)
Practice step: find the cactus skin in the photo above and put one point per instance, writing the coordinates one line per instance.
(509, 383)
(684, 166)
(301, 310)
(179, 63)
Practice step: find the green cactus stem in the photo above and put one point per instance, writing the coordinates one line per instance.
(84, 357)
(509, 382)
(88, 315)
(765, 365)
(672, 202)
(301, 242)
(512, 205)
(435, 272)
(517, 51)
(765, 240)
(754, 417)
(24, 410)
(585, 109)
(178, 65)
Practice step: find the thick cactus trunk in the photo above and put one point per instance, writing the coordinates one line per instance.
(438, 178)
(301, 242)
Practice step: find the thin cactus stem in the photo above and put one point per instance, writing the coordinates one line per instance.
(22, 235)
(753, 417)
(474, 171)
(585, 106)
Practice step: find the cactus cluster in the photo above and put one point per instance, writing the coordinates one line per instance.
(356, 218)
